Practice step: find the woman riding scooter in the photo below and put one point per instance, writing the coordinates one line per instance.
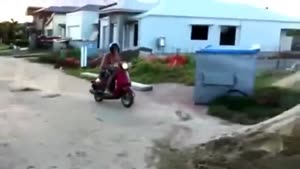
(109, 60)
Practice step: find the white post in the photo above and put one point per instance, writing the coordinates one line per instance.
(81, 56)
(85, 56)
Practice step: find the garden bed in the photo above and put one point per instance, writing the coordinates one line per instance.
(173, 69)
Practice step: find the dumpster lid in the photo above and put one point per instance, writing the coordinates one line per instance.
(229, 50)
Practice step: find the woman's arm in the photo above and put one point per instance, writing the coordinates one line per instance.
(103, 62)
(118, 57)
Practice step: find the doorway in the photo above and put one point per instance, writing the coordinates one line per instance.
(135, 34)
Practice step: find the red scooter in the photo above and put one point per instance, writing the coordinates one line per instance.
(120, 88)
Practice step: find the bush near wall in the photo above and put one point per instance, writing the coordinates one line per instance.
(74, 53)
(164, 70)
(22, 43)
(17, 42)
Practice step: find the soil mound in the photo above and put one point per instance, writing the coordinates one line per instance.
(273, 144)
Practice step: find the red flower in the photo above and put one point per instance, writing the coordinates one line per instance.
(176, 60)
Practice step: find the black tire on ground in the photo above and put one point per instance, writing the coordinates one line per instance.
(127, 100)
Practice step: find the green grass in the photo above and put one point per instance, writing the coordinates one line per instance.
(76, 72)
(3, 47)
(8, 52)
(158, 72)
(266, 103)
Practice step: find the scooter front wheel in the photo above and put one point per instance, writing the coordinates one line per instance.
(127, 99)
(98, 98)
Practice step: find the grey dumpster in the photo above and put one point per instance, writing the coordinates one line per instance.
(221, 71)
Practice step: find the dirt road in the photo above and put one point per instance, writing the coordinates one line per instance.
(74, 132)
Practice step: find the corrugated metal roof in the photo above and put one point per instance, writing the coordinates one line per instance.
(89, 7)
(130, 6)
(214, 9)
(58, 9)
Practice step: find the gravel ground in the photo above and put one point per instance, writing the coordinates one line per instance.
(73, 132)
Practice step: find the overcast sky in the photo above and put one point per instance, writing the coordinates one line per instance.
(16, 8)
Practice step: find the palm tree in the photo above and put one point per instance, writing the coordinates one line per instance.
(12, 29)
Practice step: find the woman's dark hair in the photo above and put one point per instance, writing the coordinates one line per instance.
(114, 46)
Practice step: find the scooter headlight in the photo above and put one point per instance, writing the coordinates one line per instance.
(97, 80)
(125, 66)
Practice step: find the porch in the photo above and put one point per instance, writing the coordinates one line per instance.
(119, 27)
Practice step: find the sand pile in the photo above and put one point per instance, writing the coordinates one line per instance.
(273, 144)
(289, 81)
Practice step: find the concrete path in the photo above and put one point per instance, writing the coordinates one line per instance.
(74, 132)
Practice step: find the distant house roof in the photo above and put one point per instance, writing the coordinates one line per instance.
(31, 9)
(57, 9)
(89, 7)
(130, 6)
(214, 9)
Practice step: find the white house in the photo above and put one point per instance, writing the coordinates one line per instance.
(55, 24)
(82, 28)
(116, 25)
(82, 24)
(191, 25)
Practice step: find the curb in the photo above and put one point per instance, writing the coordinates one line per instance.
(135, 85)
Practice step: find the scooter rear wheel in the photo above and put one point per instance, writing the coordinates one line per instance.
(127, 100)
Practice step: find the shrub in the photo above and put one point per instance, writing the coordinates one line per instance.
(266, 103)
(74, 53)
(269, 96)
(156, 70)
(48, 59)
(22, 43)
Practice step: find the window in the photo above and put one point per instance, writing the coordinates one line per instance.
(199, 32)
(49, 32)
(228, 35)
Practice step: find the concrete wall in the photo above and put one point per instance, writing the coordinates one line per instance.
(38, 22)
(85, 20)
(73, 20)
(104, 41)
(89, 18)
(49, 27)
(59, 19)
(177, 31)
(54, 25)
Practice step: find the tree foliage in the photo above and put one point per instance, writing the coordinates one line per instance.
(12, 31)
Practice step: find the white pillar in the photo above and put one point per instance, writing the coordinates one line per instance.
(83, 56)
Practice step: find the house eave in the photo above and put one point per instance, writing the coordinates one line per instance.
(222, 18)
(121, 10)
(49, 20)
